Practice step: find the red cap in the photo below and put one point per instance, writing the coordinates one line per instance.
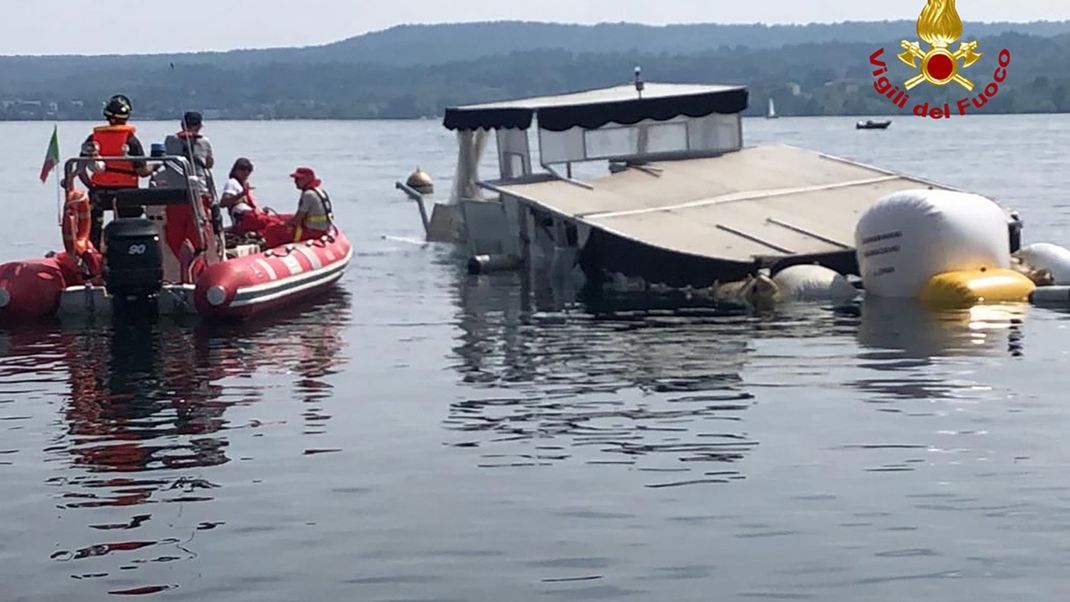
(303, 172)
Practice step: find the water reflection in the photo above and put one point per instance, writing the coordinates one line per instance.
(913, 350)
(663, 381)
(145, 411)
(913, 331)
(656, 387)
(142, 400)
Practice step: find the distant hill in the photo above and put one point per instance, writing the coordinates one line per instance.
(413, 45)
(431, 44)
(417, 70)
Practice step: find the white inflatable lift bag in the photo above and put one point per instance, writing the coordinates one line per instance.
(910, 236)
(813, 283)
(1046, 256)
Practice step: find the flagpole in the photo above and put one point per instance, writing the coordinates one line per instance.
(59, 188)
(59, 199)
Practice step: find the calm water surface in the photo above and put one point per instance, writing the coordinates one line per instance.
(420, 434)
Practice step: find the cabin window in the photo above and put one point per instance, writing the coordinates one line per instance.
(514, 154)
(664, 138)
(561, 147)
(644, 138)
(713, 133)
(612, 142)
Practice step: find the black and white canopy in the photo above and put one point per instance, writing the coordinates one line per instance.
(595, 108)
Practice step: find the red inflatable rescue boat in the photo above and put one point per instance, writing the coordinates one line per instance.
(173, 258)
(248, 285)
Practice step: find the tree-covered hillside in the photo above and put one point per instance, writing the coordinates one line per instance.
(416, 71)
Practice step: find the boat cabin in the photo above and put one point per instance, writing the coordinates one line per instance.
(622, 123)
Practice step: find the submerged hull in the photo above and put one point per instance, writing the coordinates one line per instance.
(695, 221)
(241, 287)
(607, 253)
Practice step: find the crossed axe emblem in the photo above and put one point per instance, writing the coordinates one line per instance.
(939, 66)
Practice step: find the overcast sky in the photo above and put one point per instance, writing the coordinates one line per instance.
(106, 26)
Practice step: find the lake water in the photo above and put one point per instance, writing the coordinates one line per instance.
(424, 435)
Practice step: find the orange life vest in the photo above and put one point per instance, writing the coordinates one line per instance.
(112, 140)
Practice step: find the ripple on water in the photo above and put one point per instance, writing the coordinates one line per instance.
(144, 414)
(682, 451)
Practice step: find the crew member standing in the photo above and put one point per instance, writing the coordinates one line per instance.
(188, 143)
(117, 139)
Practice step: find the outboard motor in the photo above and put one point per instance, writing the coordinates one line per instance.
(133, 269)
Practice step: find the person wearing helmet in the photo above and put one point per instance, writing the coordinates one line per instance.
(116, 139)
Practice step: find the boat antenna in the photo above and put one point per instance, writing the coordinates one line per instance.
(639, 80)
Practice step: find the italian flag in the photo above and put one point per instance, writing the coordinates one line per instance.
(52, 158)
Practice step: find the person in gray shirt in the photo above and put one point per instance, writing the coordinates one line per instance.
(190, 143)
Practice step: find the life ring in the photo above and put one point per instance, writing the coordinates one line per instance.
(77, 223)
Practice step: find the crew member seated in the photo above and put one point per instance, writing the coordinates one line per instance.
(314, 213)
(245, 216)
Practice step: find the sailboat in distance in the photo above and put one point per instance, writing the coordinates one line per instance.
(772, 110)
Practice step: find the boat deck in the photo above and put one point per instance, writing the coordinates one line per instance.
(758, 202)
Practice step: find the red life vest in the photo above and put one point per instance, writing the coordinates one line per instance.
(112, 140)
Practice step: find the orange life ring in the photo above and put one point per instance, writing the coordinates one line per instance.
(77, 223)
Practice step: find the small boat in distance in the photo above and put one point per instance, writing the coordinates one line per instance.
(772, 110)
(869, 124)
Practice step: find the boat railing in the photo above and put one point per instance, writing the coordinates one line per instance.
(76, 166)
(419, 200)
(181, 164)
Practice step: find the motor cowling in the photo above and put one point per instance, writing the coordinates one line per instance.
(133, 268)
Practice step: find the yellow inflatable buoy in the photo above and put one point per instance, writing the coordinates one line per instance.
(972, 287)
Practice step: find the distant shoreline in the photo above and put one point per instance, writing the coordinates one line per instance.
(756, 117)
(411, 71)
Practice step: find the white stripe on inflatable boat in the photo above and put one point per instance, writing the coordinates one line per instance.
(267, 268)
(292, 264)
(311, 256)
(270, 291)
(325, 277)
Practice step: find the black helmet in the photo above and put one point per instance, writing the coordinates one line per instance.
(118, 107)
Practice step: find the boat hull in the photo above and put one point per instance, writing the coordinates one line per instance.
(237, 288)
(30, 289)
(250, 285)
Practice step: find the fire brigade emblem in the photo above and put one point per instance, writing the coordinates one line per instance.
(939, 26)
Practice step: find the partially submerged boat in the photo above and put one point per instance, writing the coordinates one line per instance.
(683, 202)
(159, 263)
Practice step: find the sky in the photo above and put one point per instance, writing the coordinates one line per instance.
(103, 27)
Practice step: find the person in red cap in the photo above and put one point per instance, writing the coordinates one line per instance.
(314, 216)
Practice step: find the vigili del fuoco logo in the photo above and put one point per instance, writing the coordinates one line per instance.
(939, 27)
